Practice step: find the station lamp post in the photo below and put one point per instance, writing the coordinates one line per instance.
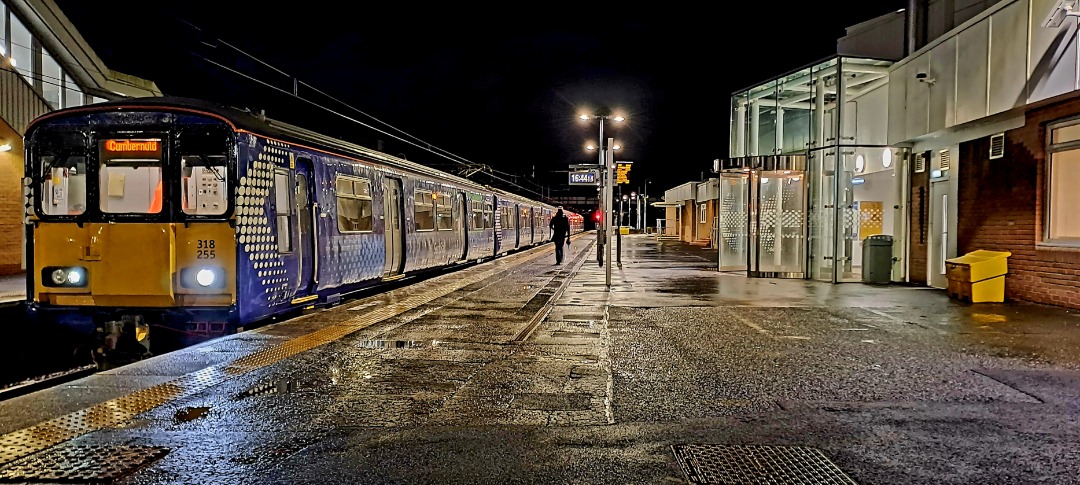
(607, 161)
(625, 199)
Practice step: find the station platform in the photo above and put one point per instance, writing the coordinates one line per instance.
(518, 370)
(12, 288)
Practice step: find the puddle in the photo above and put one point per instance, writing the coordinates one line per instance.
(290, 386)
(579, 317)
(191, 413)
(389, 344)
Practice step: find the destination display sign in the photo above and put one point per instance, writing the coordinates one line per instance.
(583, 177)
(622, 170)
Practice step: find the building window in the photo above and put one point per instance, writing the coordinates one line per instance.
(22, 53)
(423, 210)
(73, 96)
(704, 213)
(1062, 218)
(51, 78)
(3, 31)
(354, 208)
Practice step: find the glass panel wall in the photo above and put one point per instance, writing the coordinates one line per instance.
(740, 124)
(4, 46)
(732, 219)
(22, 54)
(834, 113)
(51, 78)
(793, 113)
(73, 96)
(778, 238)
(865, 89)
(762, 114)
(822, 211)
(37, 65)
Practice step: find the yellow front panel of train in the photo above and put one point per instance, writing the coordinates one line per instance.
(137, 265)
(208, 249)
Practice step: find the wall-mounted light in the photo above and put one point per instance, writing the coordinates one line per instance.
(5, 147)
(886, 158)
(860, 163)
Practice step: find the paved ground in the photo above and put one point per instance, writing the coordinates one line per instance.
(474, 378)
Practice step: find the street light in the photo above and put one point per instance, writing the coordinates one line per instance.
(606, 163)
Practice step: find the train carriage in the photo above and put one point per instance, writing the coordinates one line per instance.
(197, 220)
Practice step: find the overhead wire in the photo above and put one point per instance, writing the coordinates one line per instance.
(418, 143)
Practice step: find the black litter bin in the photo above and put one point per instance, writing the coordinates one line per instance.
(877, 259)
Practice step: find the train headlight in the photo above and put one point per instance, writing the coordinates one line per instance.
(205, 277)
(59, 276)
(75, 277)
(71, 277)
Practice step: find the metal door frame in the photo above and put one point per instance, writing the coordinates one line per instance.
(307, 236)
(942, 243)
(393, 227)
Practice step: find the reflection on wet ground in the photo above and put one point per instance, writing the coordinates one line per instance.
(896, 384)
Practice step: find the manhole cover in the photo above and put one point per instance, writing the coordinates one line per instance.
(741, 464)
(97, 463)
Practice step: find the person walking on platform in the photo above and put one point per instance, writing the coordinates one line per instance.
(560, 230)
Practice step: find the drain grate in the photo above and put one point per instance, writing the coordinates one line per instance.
(741, 464)
(77, 464)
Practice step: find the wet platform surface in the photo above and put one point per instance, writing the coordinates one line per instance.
(522, 371)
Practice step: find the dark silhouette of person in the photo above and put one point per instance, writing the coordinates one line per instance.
(560, 230)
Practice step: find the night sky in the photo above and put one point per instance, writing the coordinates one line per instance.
(495, 86)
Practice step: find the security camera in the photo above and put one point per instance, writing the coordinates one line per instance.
(921, 75)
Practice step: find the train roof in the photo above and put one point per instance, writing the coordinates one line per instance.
(246, 120)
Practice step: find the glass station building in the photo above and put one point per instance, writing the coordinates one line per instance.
(811, 175)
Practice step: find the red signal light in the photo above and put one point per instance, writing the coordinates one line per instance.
(597, 216)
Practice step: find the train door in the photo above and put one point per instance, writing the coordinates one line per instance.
(305, 206)
(393, 228)
(462, 217)
(497, 223)
(517, 227)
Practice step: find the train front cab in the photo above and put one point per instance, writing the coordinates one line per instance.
(128, 228)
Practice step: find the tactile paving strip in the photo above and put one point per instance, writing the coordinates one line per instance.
(27, 441)
(743, 464)
(81, 464)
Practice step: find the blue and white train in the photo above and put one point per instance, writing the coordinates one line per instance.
(196, 220)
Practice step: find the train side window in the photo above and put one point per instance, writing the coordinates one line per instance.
(284, 207)
(444, 212)
(508, 217)
(423, 210)
(489, 216)
(354, 207)
(477, 215)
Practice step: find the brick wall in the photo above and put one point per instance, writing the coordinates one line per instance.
(11, 202)
(1000, 209)
(920, 221)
